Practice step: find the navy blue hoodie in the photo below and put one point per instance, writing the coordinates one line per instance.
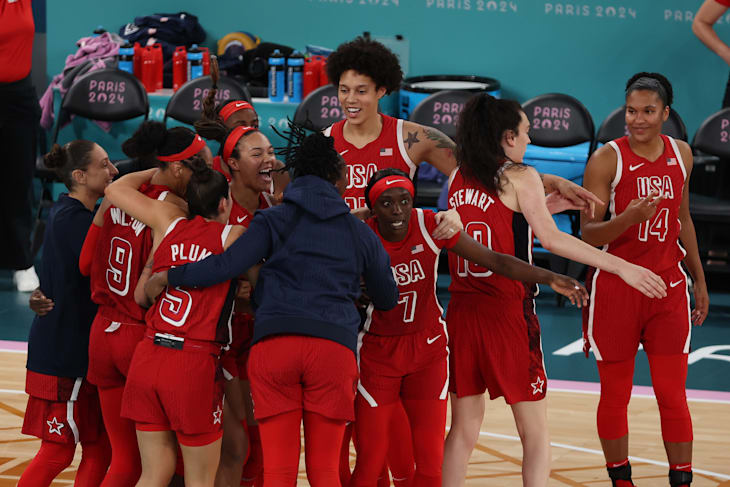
(315, 252)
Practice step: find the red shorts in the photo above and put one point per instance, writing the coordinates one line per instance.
(495, 345)
(619, 317)
(62, 409)
(234, 359)
(413, 366)
(111, 346)
(290, 372)
(178, 390)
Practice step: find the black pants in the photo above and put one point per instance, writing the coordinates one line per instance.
(19, 116)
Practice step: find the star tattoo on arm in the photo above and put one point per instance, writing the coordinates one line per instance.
(412, 139)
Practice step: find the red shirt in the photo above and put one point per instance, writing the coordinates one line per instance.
(724, 2)
(387, 151)
(241, 216)
(414, 262)
(488, 221)
(653, 244)
(122, 252)
(16, 39)
(195, 313)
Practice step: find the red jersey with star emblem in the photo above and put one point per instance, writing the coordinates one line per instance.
(241, 216)
(122, 252)
(414, 262)
(196, 313)
(654, 243)
(488, 221)
(387, 151)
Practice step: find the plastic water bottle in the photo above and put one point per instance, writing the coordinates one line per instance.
(195, 62)
(294, 68)
(276, 76)
(126, 58)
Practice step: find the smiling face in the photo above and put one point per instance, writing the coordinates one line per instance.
(645, 114)
(393, 211)
(99, 173)
(255, 161)
(359, 96)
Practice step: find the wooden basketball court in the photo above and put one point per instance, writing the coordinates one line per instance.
(577, 459)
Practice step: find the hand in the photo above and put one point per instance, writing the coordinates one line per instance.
(580, 197)
(641, 209)
(449, 224)
(277, 198)
(155, 285)
(362, 213)
(643, 280)
(557, 203)
(571, 289)
(39, 303)
(702, 303)
(244, 290)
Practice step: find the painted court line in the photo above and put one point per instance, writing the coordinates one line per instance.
(598, 452)
(697, 395)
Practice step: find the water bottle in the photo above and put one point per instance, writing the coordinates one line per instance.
(195, 62)
(98, 31)
(276, 76)
(126, 58)
(294, 67)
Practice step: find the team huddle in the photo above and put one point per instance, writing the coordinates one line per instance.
(210, 306)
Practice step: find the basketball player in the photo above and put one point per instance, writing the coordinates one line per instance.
(403, 353)
(495, 337)
(644, 178)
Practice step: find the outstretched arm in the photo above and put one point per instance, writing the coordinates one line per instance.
(519, 270)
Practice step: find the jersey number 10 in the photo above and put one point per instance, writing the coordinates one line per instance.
(480, 232)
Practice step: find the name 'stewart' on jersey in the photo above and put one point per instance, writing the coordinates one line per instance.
(470, 196)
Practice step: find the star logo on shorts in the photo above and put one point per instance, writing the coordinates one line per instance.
(537, 386)
(55, 427)
(217, 415)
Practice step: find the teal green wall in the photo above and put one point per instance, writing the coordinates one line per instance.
(531, 46)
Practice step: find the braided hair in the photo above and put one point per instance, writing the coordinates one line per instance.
(310, 155)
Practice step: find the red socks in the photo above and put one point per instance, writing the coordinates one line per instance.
(51, 459)
(253, 469)
(125, 467)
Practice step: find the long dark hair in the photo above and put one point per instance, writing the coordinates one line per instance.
(65, 159)
(152, 139)
(205, 189)
(482, 124)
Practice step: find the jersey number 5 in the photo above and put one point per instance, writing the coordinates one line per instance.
(175, 306)
(480, 232)
(120, 262)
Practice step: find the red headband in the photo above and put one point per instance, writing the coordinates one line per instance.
(195, 146)
(388, 182)
(232, 107)
(233, 139)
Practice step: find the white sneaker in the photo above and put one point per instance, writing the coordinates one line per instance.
(26, 280)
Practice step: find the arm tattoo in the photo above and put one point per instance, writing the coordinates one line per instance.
(442, 141)
(412, 139)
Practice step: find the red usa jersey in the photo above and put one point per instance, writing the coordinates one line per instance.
(241, 216)
(655, 242)
(197, 313)
(488, 221)
(123, 249)
(387, 151)
(414, 262)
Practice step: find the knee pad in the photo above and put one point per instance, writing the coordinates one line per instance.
(668, 373)
(616, 383)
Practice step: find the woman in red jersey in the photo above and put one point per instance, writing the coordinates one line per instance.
(495, 334)
(403, 353)
(114, 255)
(249, 162)
(644, 178)
(174, 386)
